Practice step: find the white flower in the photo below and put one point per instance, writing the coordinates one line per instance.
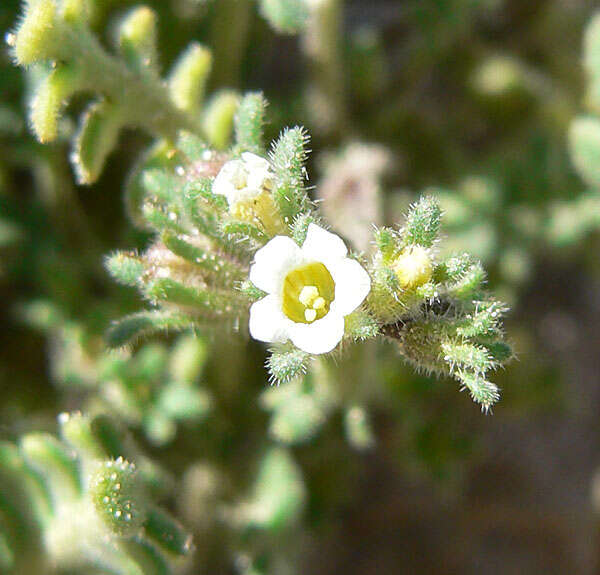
(247, 184)
(310, 290)
(243, 179)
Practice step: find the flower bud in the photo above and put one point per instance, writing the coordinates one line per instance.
(413, 267)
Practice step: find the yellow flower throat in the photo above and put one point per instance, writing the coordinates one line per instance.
(307, 293)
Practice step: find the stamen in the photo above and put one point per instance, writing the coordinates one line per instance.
(308, 295)
(310, 315)
(319, 303)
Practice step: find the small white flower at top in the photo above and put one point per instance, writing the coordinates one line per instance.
(243, 179)
(247, 182)
(310, 291)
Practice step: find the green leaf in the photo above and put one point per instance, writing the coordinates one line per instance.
(288, 156)
(165, 186)
(286, 16)
(299, 227)
(167, 533)
(484, 321)
(467, 355)
(184, 402)
(161, 219)
(125, 268)
(50, 97)
(591, 47)
(187, 358)
(97, 137)
(386, 241)
(76, 430)
(298, 419)
(249, 122)
(422, 223)
(279, 492)
(158, 155)
(217, 120)
(584, 144)
(146, 555)
(145, 323)
(192, 146)
(137, 39)
(465, 277)
(499, 351)
(244, 231)
(116, 494)
(53, 461)
(482, 391)
(172, 291)
(361, 325)
(198, 194)
(358, 428)
(225, 270)
(187, 81)
(285, 363)
(36, 38)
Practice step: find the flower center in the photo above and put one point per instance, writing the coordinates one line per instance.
(307, 293)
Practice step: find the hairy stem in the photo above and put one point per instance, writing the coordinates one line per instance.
(144, 100)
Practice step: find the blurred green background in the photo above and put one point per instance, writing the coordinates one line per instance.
(472, 100)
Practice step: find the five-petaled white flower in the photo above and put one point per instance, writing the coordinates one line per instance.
(243, 179)
(310, 290)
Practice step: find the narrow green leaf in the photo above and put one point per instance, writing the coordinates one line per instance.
(188, 79)
(286, 363)
(167, 533)
(50, 97)
(138, 38)
(422, 223)
(116, 494)
(54, 461)
(125, 268)
(288, 156)
(286, 16)
(249, 122)
(97, 137)
(145, 323)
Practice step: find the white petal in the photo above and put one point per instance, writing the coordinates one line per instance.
(253, 161)
(319, 337)
(352, 285)
(229, 180)
(259, 172)
(222, 185)
(273, 262)
(259, 180)
(321, 245)
(267, 321)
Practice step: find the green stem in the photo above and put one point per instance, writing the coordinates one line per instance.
(142, 97)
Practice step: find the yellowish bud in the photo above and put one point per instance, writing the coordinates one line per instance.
(413, 267)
